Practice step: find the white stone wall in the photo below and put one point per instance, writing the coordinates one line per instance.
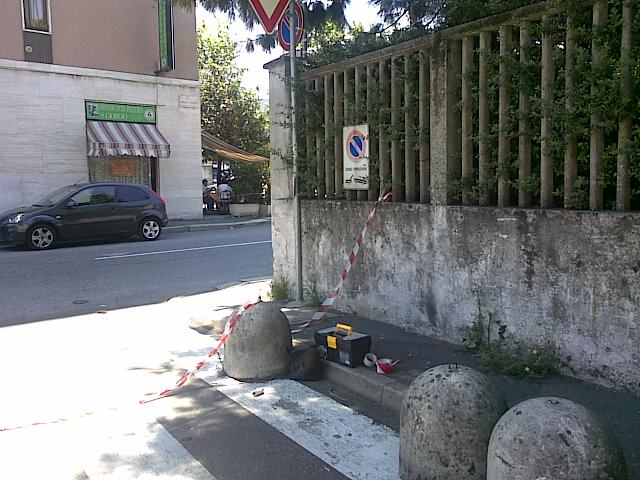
(43, 139)
(282, 208)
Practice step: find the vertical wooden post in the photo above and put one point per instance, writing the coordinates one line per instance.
(570, 138)
(338, 113)
(309, 136)
(396, 163)
(423, 120)
(504, 142)
(359, 111)
(348, 114)
(454, 119)
(329, 162)
(383, 125)
(483, 119)
(524, 127)
(467, 119)
(596, 150)
(623, 187)
(374, 186)
(546, 91)
(319, 146)
(409, 141)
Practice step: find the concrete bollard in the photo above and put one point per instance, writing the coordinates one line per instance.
(553, 438)
(446, 420)
(258, 348)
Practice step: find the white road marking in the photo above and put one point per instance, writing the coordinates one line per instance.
(137, 448)
(348, 441)
(178, 250)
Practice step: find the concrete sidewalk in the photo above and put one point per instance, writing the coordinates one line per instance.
(213, 222)
(619, 410)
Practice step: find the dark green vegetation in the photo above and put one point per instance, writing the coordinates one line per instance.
(497, 351)
(233, 113)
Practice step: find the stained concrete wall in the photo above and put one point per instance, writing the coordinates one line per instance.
(568, 277)
(282, 209)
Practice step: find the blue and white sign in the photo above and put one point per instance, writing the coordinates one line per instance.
(355, 146)
(284, 28)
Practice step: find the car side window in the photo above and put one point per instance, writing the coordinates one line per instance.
(95, 196)
(127, 193)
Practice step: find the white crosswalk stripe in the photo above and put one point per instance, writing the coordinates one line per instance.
(348, 441)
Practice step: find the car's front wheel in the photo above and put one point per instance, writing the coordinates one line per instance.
(149, 228)
(41, 237)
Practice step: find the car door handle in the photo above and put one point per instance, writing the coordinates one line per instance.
(115, 209)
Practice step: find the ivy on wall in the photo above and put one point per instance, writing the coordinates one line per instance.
(596, 91)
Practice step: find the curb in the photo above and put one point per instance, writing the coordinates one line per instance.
(377, 388)
(212, 226)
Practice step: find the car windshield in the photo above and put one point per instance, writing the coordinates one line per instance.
(55, 197)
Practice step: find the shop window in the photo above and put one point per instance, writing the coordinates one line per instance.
(36, 15)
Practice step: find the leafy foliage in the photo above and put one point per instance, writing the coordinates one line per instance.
(229, 111)
(279, 288)
(497, 351)
(232, 112)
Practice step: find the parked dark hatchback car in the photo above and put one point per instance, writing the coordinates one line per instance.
(89, 211)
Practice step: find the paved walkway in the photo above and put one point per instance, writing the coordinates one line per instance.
(212, 222)
(619, 410)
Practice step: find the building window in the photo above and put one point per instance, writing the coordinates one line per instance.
(36, 15)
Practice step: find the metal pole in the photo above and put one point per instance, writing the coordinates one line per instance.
(294, 152)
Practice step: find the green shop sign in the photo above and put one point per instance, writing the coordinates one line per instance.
(165, 33)
(120, 112)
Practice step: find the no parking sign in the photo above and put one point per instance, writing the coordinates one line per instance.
(355, 146)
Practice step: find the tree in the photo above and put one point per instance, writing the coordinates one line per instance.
(317, 14)
(228, 110)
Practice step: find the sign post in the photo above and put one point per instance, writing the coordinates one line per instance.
(294, 154)
(355, 146)
(270, 12)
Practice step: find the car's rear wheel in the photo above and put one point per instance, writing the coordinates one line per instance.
(149, 228)
(41, 237)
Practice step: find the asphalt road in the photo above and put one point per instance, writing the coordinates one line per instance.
(80, 279)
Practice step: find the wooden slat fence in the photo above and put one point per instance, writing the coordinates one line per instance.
(509, 111)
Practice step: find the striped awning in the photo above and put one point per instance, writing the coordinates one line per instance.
(109, 139)
(226, 150)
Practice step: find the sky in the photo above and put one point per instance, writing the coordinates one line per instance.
(256, 77)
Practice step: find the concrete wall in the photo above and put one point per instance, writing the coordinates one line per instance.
(119, 35)
(568, 277)
(43, 139)
(282, 210)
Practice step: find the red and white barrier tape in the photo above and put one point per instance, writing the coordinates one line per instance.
(328, 302)
(228, 328)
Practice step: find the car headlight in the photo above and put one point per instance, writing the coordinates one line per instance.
(16, 218)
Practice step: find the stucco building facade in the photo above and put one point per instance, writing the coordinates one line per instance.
(96, 91)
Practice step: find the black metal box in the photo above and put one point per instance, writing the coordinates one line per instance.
(343, 345)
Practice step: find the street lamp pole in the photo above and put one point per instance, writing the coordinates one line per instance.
(297, 223)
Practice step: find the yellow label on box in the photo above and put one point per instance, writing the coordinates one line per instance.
(331, 342)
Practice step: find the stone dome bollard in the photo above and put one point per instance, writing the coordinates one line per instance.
(553, 438)
(258, 347)
(446, 420)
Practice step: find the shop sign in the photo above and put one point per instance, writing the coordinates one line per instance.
(120, 112)
(165, 34)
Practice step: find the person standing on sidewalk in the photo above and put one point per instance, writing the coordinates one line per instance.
(206, 198)
(224, 193)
